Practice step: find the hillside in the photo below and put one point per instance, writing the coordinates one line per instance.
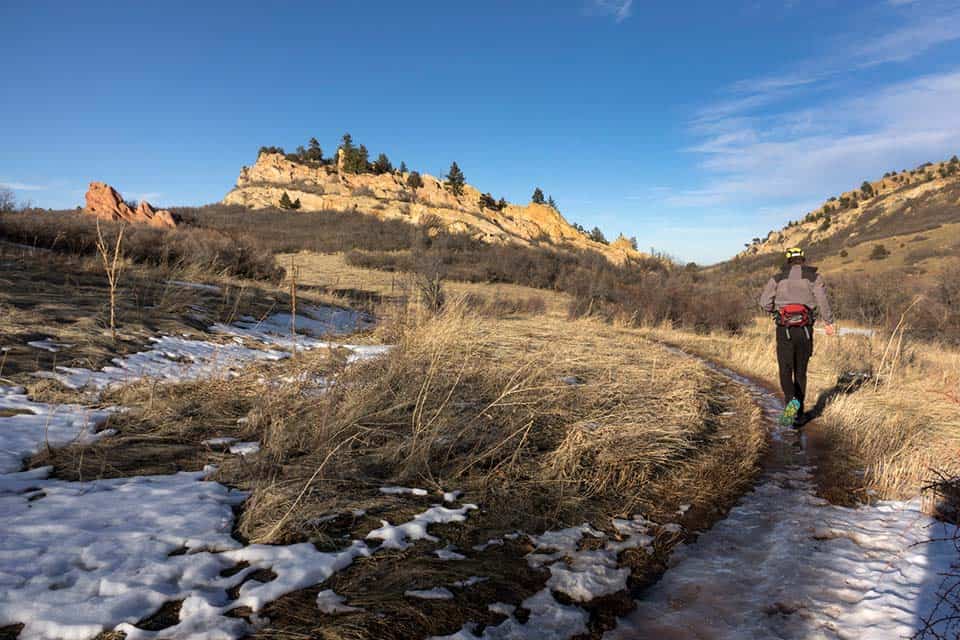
(329, 187)
(913, 215)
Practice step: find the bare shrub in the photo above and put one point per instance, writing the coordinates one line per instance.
(8, 201)
(287, 232)
(112, 265)
(202, 250)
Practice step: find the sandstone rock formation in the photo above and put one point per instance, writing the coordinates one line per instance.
(329, 188)
(104, 202)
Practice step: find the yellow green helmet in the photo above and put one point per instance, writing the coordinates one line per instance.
(794, 252)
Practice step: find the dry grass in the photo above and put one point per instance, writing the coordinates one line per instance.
(889, 435)
(542, 421)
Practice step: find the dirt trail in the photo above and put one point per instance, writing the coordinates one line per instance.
(787, 564)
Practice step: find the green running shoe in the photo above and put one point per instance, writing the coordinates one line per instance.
(790, 412)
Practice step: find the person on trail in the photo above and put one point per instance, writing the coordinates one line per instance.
(797, 296)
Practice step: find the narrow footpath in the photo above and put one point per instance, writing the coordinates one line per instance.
(787, 564)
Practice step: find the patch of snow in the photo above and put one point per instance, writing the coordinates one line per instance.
(580, 575)
(492, 542)
(396, 536)
(502, 608)
(469, 582)
(194, 285)
(48, 344)
(437, 593)
(245, 448)
(452, 496)
(330, 602)
(172, 359)
(549, 620)
(85, 556)
(37, 424)
(403, 490)
(218, 442)
(449, 553)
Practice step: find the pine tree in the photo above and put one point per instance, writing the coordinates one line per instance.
(382, 164)
(866, 189)
(501, 204)
(301, 153)
(487, 202)
(455, 180)
(403, 167)
(285, 202)
(314, 152)
(553, 204)
(597, 236)
(537, 197)
(296, 204)
(362, 163)
(414, 181)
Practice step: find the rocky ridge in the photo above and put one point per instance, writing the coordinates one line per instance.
(105, 202)
(330, 188)
(896, 202)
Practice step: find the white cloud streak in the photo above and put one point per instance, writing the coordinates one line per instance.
(796, 155)
(619, 9)
(21, 186)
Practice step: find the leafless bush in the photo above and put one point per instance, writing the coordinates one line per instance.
(189, 248)
(112, 258)
(8, 201)
(284, 231)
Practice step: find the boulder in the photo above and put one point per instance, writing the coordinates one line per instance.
(105, 202)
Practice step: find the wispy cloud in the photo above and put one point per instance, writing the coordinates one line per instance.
(619, 9)
(150, 196)
(916, 33)
(22, 186)
(779, 157)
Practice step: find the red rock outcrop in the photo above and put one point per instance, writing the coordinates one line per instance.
(104, 202)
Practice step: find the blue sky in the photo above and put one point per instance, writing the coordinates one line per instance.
(693, 126)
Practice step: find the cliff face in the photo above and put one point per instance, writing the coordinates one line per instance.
(325, 188)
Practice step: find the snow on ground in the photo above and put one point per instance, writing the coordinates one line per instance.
(580, 575)
(449, 552)
(245, 448)
(78, 558)
(27, 426)
(403, 490)
(195, 285)
(437, 593)
(787, 564)
(397, 536)
(313, 321)
(330, 602)
(177, 359)
(172, 359)
(48, 344)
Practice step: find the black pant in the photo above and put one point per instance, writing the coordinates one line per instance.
(794, 348)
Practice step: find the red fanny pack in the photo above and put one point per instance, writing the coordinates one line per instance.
(794, 315)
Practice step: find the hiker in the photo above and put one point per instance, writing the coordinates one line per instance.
(797, 297)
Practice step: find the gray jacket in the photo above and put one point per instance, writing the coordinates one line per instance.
(797, 284)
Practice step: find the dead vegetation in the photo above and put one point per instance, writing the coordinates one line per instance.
(543, 422)
(203, 252)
